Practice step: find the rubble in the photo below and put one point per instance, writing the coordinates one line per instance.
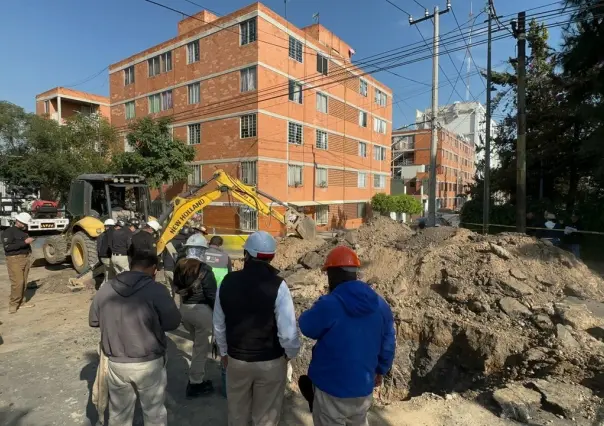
(517, 402)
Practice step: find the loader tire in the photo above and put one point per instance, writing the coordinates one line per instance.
(83, 252)
(55, 250)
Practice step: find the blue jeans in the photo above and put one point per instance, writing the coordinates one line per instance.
(576, 250)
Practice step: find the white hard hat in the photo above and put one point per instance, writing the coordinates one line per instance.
(24, 218)
(196, 240)
(109, 222)
(154, 224)
(260, 243)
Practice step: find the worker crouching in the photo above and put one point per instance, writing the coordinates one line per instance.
(354, 330)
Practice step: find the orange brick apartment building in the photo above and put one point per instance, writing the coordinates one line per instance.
(61, 103)
(278, 106)
(455, 162)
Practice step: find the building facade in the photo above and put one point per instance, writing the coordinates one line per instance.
(455, 162)
(60, 103)
(280, 107)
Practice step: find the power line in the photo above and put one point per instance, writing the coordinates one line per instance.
(464, 40)
(87, 79)
(402, 10)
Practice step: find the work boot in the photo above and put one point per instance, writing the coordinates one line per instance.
(26, 305)
(12, 309)
(195, 390)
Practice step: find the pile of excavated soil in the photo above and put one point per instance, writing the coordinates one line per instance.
(289, 250)
(57, 282)
(472, 312)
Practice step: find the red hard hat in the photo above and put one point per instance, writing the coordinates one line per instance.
(340, 257)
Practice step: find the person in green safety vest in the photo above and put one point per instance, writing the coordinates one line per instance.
(219, 260)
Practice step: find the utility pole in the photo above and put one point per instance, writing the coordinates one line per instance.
(487, 146)
(434, 124)
(520, 33)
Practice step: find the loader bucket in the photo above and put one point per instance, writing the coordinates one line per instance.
(306, 228)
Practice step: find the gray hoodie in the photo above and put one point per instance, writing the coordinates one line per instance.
(133, 312)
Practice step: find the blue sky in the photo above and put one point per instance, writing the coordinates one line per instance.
(63, 42)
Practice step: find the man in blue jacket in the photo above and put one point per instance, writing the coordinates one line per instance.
(354, 330)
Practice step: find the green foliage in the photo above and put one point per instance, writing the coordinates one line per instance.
(381, 203)
(385, 204)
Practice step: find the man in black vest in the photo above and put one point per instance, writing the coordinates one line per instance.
(256, 332)
(17, 249)
(119, 243)
(104, 251)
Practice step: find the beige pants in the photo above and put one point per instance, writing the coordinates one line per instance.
(18, 271)
(255, 391)
(197, 319)
(109, 273)
(119, 264)
(149, 380)
(332, 411)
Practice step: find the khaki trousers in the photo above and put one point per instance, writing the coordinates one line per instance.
(329, 410)
(119, 264)
(149, 380)
(109, 274)
(197, 319)
(18, 270)
(255, 391)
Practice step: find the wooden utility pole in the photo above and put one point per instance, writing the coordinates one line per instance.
(521, 142)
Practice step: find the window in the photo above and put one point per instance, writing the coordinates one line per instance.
(160, 63)
(153, 64)
(379, 153)
(295, 91)
(322, 103)
(166, 62)
(248, 126)
(361, 210)
(379, 125)
(322, 215)
(127, 145)
(248, 172)
(166, 100)
(195, 175)
(248, 79)
(130, 111)
(322, 64)
(362, 180)
(193, 52)
(194, 131)
(160, 102)
(379, 181)
(129, 75)
(294, 133)
(46, 107)
(363, 87)
(321, 177)
(194, 93)
(248, 31)
(380, 98)
(294, 175)
(295, 49)
(248, 219)
(362, 119)
(362, 149)
(154, 104)
(321, 139)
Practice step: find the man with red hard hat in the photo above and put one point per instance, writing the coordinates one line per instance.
(354, 330)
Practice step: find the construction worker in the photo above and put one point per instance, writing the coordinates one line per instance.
(256, 333)
(133, 313)
(196, 285)
(219, 260)
(354, 330)
(17, 249)
(172, 253)
(103, 250)
(145, 238)
(119, 243)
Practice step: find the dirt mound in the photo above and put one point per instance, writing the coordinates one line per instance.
(472, 312)
(289, 250)
(57, 282)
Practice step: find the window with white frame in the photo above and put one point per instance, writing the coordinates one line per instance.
(294, 133)
(322, 66)
(295, 175)
(194, 131)
(248, 172)
(248, 79)
(193, 52)
(362, 149)
(153, 64)
(248, 126)
(379, 153)
(380, 98)
(321, 177)
(154, 103)
(295, 49)
(362, 118)
(160, 63)
(248, 31)
(321, 139)
(195, 175)
(322, 215)
(363, 87)
(379, 181)
(322, 102)
(129, 75)
(194, 93)
(379, 125)
(295, 92)
(130, 110)
(248, 219)
(166, 61)
(362, 180)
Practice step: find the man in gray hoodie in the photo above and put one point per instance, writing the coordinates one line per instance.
(133, 313)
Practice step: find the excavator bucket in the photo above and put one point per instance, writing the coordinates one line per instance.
(306, 228)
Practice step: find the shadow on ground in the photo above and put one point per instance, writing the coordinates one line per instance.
(12, 417)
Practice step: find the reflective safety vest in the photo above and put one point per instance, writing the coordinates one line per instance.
(219, 261)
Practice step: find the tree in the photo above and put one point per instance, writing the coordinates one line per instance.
(385, 204)
(157, 155)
